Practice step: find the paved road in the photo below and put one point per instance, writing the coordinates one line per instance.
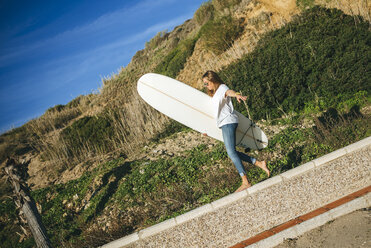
(351, 230)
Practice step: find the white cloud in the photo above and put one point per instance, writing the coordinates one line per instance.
(57, 74)
(101, 25)
(109, 50)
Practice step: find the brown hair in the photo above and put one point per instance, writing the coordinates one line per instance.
(215, 79)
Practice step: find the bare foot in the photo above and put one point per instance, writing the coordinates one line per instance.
(243, 187)
(263, 165)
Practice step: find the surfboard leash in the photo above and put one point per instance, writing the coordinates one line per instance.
(252, 124)
(247, 107)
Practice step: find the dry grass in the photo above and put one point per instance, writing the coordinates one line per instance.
(133, 122)
(350, 7)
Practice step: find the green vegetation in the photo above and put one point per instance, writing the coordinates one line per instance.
(58, 116)
(185, 182)
(155, 41)
(75, 102)
(213, 8)
(179, 184)
(331, 131)
(14, 143)
(219, 34)
(320, 60)
(56, 108)
(204, 13)
(303, 4)
(220, 5)
(174, 62)
(62, 221)
(92, 132)
(8, 213)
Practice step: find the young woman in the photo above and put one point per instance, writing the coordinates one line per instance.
(227, 120)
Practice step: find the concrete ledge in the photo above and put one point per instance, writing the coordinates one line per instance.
(312, 223)
(122, 241)
(157, 228)
(229, 199)
(368, 199)
(265, 184)
(358, 145)
(329, 157)
(298, 170)
(276, 239)
(194, 213)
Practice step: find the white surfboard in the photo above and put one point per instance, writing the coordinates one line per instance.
(193, 108)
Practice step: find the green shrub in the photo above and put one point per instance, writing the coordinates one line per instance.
(218, 35)
(92, 133)
(75, 102)
(55, 118)
(174, 62)
(314, 62)
(155, 41)
(14, 142)
(61, 119)
(56, 108)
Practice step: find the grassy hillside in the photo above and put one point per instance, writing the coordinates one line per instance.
(319, 60)
(308, 86)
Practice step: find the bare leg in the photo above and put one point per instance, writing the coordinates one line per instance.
(263, 166)
(245, 184)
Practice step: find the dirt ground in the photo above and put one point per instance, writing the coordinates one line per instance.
(351, 230)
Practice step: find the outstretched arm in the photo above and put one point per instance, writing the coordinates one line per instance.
(235, 94)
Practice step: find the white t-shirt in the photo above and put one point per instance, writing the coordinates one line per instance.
(223, 107)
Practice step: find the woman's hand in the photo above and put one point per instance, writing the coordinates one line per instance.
(235, 94)
(240, 97)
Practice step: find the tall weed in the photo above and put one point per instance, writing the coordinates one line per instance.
(219, 34)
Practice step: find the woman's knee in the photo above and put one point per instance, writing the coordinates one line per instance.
(233, 154)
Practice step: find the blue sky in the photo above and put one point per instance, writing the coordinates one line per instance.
(53, 51)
